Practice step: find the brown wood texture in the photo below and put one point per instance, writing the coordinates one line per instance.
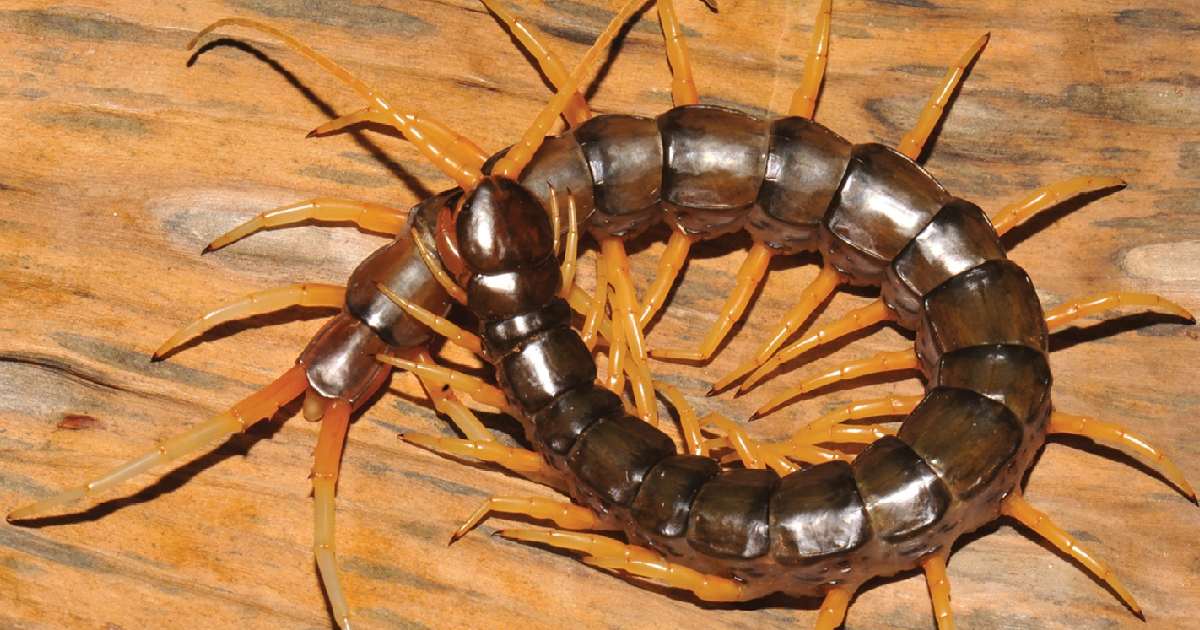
(120, 162)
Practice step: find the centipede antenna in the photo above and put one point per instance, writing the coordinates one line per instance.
(257, 406)
(435, 267)
(327, 463)
(1115, 437)
(562, 513)
(438, 324)
(309, 295)
(369, 217)
(614, 555)
(472, 386)
(804, 101)
(913, 142)
(453, 159)
(939, 589)
(689, 426)
(854, 321)
(812, 297)
(749, 276)
(669, 265)
(576, 111)
(1049, 196)
(683, 85)
(877, 364)
(518, 460)
(1019, 509)
(1071, 310)
(833, 608)
(518, 156)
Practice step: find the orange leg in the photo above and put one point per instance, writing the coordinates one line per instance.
(371, 217)
(877, 364)
(518, 156)
(561, 513)
(617, 348)
(624, 301)
(689, 426)
(310, 295)
(257, 406)
(749, 276)
(456, 160)
(1018, 508)
(833, 609)
(673, 257)
(683, 86)
(1047, 197)
(327, 463)
(439, 273)
(515, 459)
(913, 142)
(856, 320)
(594, 315)
(443, 397)
(614, 555)
(939, 589)
(576, 110)
(643, 390)
(804, 102)
(1072, 310)
(438, 134)
(812, 297)
(1113, 436)
(438, 324)
(820, 430)
(571, 252)
(472, 386)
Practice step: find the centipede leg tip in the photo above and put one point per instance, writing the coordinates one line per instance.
(156, 357)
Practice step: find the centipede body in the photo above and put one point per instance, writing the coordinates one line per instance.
(971, 156)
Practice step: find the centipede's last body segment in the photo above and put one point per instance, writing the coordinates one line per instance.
(705, 509)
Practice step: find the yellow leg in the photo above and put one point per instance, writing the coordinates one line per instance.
(518, 156)
(259, 405)
(673, 257)
(878, 364)
(854, 321)
(439, 273)
(624, 301)
(454, 159)
(1113, 436)
(749, 276)
(571, 252)
(468, 152)
(472, 386)
(812, 297)
(689, 426)
(561, 513)
(818, 430)
(913, 142)
(444, 400)
(939, 589)
(833, 609)
(576, 110)
(614, 555)
(594, 317)
(515, 459)
(617, 348)
(643, 390)
(1019, 509)
(1047, 197)
(310, 295)
(438, 324)
(324, 480)
(1072, 310)
(804, 102)
(683, 86)
(371, 217)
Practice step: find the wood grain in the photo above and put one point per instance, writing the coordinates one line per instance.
(120, 163)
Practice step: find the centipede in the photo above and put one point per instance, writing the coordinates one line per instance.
(523, 267)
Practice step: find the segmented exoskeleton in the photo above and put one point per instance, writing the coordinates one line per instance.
(731, 534)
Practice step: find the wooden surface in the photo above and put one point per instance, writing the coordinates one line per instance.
(120, 163)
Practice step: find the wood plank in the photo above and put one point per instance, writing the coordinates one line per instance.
(121, 162)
